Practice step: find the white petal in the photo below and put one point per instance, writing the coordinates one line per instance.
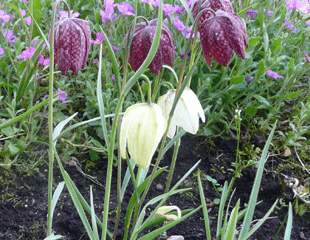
(143, 129)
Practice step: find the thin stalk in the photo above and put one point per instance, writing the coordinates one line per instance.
(50, 122)
(119, 186)
(172, 165)
(50, 128)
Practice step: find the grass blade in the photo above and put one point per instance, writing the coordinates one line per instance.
(289, 225)
(253, 198)
(204, 209)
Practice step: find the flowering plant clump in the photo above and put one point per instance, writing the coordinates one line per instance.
(141, 43)
(149, 83)
(72, 44)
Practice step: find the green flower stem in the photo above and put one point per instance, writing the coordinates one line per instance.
(50, 126)
(158, 87)
(126, 88)
(172, 165)
(149, 91)
(50, 121)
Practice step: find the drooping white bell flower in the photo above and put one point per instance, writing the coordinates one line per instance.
(186, 113)
(142, 128)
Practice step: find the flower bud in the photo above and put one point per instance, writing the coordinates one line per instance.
(72, 38)
(142, 128)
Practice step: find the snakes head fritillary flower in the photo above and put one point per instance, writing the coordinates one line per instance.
(141, 44)
(72, 38)
(222, 34)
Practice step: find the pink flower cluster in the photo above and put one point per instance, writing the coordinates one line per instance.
(126, 9)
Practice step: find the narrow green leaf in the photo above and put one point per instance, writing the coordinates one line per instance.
(260, 222)
(56, 196)
(221, 210)
(204, 209)
(75, 199)
(60, 126)
(93, 215)
(289, 225)
(100, 101)
(255, 189)
(230, 232)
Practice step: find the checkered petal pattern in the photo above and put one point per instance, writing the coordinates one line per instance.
(71, 44)
(141, 44)
(215, 5)
(221, 35)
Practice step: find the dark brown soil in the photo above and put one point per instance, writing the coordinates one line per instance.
(23, 203)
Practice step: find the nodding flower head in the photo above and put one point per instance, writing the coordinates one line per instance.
(72, 38)
(222, 34)
(215, 5)
(141, 44)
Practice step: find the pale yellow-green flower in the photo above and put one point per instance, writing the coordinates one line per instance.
(142, 128)
(186, 113)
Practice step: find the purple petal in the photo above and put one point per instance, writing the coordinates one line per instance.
(62, 95)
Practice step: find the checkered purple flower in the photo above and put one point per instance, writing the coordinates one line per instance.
(222, 34)
(141, 44)
(71, 44)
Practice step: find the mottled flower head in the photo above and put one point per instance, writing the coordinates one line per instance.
(215, 5)
(71, 44)
(141, 44)
(222, 34)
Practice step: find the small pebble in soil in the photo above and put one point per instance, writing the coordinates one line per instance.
(159, 187)
(176, 237)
